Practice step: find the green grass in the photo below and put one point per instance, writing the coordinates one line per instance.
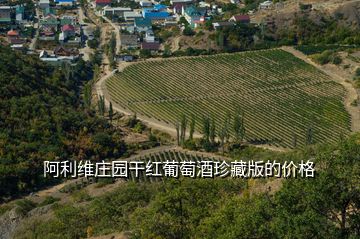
(281, 95)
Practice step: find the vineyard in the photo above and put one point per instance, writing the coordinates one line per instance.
(281, 96)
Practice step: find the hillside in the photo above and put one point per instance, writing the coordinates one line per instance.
(42, 118)
(280, 96)
(212, 207)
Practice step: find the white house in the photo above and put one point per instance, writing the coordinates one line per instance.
(44, 4)
(145, 3)
(131, 16)
(149, 36)
(115, 11)
(265, 5)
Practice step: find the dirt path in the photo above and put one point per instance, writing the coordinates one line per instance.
(351, 95)
(100, 89)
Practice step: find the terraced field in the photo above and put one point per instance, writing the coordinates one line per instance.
(281, 95)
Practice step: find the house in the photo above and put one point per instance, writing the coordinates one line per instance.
(126, 58)
(14, 37)
(115, 11)
(5, 14)
(68, 20)
(142, 24)
(220, 25)
(131, 16)
(157, 12)
(244, 19)
(145, 3)
(19, 11)
(55, 60)
(102, 3)
(149, 36)
(64, 3)
(128, 41)
(194, 15)
(68, 30)
(44, 4)
(181, 1)
(265, 5)
(49, 11)
(177, 8)
(49, 21)
(62, 51)
(152, 46)
(235, 1)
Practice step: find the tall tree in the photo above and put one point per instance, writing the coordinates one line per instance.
(183, 126)
(192, 127)
(111, 112)
(206, 128)
(212, 135)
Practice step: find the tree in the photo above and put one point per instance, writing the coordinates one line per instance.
(183, 125)
(222, 135)
(192, 127)
(309, 136)
(101, 105)
(212, 134)
(188, 31)
(177, 128)
(206, 129)
(239, 127)
(111, 111)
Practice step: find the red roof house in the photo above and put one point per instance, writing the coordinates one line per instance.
(12, 33)
(153, 46)
(245, 19)
(102, 3)
(68, 28)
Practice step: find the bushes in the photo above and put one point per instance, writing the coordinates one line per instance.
(327, 57)
(24, 206)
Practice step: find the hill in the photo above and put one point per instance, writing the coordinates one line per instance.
(42, 118)
(281, 97)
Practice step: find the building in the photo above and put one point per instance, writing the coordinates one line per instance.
(126, 58)
(68, 3)
(19, 13)
(68, 30)
(181, 1)
(55, 60)
(152, 46)
(131, 16)
(49, 21)
(145, 3)
(177, 8)
(62, 51)
(102, 3)
(244, 19)
(149, 36)
(49, 11)
(68, 20)
(157, 12)
(220, 25)
(44, 4)
(265, 5)
(5, 14)
(194, 15)
(128, 41)
(142, 24)
(14, 37)
(115, 11)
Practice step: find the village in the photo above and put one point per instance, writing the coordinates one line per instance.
(66, 30)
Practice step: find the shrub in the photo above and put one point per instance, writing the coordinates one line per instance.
(24, 206)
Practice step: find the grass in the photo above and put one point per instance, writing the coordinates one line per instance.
(281, 96)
